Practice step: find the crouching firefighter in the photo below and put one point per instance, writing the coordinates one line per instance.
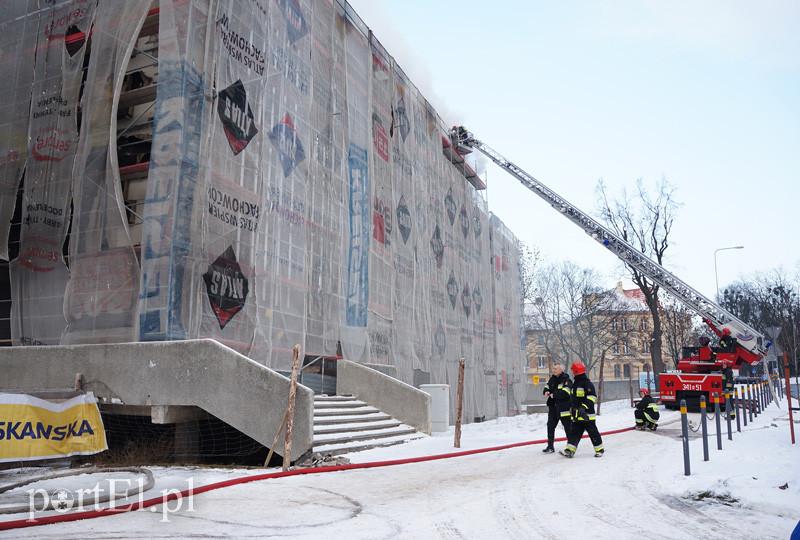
(584, 398)
(559, 395)
(646, 412)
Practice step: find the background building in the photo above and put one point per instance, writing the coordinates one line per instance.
(623, 330)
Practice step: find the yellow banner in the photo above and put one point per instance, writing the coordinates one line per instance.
(33, 428)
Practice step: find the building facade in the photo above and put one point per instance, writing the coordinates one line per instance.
(274, 178)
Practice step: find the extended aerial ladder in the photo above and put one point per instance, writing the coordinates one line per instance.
(751, 345)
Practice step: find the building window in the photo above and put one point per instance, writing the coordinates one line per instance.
(541, 361)
(646, 346)
(625, 348)
(615, 348)
(624, 325)
(540, 339)
(626, 371)
(614, 325)
(616, 371)
(643, 324)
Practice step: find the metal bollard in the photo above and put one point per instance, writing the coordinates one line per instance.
(749, 404)
(758, 398)
(718, 422)
(728, 410)
(756, 406)
(739, 410)
(685, 436)
(704, 426)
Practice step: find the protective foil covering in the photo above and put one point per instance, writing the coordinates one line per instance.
(39, 274)
(297, 193)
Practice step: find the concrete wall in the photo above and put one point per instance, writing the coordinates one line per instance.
(612, 390)
(203, 373)
(406, 403)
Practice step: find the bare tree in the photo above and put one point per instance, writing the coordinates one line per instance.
(529, 260)
(678, 326)
(581, 319)
(644, 221)
(769, 300)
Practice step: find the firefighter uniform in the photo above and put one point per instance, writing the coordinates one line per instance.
(558, 405)
(584, 398)
(728, 387)
(646, 413)
(727, 343)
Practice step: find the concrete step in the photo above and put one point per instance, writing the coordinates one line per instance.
(360, 446)
(339, 438)
(324, 405)
(377, 416)
(365, 409)
(323, 397)
(350, 427)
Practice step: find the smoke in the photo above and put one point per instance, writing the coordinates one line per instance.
(375, 16)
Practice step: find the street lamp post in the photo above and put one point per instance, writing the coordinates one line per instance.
(716, 274)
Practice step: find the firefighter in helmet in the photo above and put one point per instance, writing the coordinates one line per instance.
(727, 343)
(646, 412)
(584, 399)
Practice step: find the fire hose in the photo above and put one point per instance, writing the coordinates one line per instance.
(174, 495)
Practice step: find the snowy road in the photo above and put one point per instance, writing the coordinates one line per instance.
(637, 490)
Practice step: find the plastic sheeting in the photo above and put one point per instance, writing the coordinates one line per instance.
(19, 30)
(101, 297)
(297, 193)
(39, 274)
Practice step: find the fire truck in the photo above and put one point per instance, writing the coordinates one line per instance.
(699, 372)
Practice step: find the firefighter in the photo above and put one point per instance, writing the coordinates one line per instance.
(646, 412)
(584, 398)
(705, 353)
(558, 392)
(727, 343)
(728, 386)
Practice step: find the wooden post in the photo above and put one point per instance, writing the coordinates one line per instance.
(287, 440)
(459, 403)
(602, 379)
(275, 440)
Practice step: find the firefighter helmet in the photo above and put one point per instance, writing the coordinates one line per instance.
(704, 341)
(726, 331)
(644, 391)
(578, 368)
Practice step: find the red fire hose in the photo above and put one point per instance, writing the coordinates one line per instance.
(138, 505)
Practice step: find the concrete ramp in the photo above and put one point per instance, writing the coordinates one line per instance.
(168, 377)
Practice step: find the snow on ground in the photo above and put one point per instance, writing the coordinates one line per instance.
(636, 490)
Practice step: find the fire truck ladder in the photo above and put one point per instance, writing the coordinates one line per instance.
(748, 337)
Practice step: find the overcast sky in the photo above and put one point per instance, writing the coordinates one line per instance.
(706, 94)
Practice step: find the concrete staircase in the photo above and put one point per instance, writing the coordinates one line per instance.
(343, 424)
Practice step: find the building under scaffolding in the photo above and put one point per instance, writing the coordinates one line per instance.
(261, 173)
